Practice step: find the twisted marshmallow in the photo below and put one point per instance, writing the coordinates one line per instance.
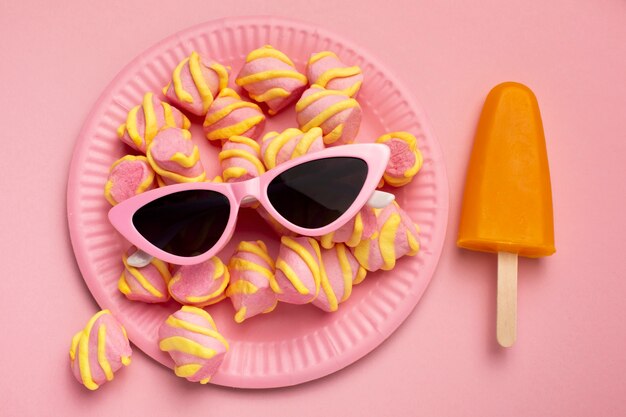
(191, 338)
(360, 227)
(291, 143)
(145, 120)
(128, 176)
(147, 284)
(230, 116)
(175, 158)
(251, 280)
(240, 159)
(99, 350)
(397, 236)
(326, 70)
(405, 161)
(200, 284)
(337, 114)
(270, 77)
(195, 82)
(341, 271)
(298, 270)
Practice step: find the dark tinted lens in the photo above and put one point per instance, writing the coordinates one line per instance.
(186, 223)
(316, 193)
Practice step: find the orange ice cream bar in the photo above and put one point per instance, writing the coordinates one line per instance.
(507, 205)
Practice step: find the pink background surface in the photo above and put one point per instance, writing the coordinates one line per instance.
(569, 358)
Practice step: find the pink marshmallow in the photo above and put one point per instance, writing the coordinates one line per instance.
(196, 81)
(298, 272)
(341, 271)
(147, 284)
(251, 281)
(289, 144)
(396, 237)
(230, 116)
(270, 77)
(326, 70)
(194, 343)
(405, 161)
(175, 158)
(99, 350)
(360, 227)
(200, 284)
(338, 115)
(145, 120)
(128, 176)
(240, 159)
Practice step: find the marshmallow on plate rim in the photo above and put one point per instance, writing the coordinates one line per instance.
(405, 161)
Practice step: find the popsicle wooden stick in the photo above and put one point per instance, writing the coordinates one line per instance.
(506, 328)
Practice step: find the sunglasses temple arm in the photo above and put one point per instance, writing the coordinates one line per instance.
(139, 259)
(380, 199)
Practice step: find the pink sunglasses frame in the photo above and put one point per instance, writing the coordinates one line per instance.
(374, 155)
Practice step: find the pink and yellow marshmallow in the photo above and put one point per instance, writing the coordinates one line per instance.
(289, 144)
(270, 77)
(396, 237)
(337, 114)
(405, 161)
(196, 81)
(341, 271)
(240, 159)
(174, 157)
(360, 227)
(128, 176)
(145, 120)
(147, 284)
(298, 270)
(201, 284)
(251, 280)
(99, 350)
(326, 70)
(229, 115)
(191, 338)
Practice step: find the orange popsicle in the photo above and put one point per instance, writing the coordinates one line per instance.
(507, 205)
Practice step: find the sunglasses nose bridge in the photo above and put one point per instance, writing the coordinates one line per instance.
(246, 191)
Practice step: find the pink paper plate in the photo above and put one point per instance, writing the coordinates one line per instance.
(293, 344)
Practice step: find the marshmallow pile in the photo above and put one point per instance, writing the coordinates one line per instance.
(320, 271)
